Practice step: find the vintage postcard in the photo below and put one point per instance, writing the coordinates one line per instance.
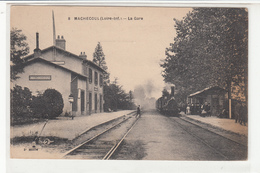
(129, 83)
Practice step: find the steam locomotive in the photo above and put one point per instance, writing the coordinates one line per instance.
(167, 104)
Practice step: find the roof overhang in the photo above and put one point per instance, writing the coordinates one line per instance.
(95, 65)
(53, 64)
(51, 48)
(208, 91)
(31, 57)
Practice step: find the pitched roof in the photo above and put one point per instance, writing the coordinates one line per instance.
(51, 63)
(95, 65)
(51, 48)
(206, 91)
(29, 57)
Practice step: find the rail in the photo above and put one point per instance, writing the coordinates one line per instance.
(112, 150)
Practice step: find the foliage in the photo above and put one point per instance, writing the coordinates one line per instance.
(38, 106)
(99, 59)
(47, 105)
(27, 108)
(210, 49)
(20, 102)
(116, 98)
(53, 103)
(131, 96)
(19, 48)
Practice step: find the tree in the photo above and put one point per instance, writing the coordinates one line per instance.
(210, 49)
(116, 98)
(19, 48)
(131, 97)
(99, 59)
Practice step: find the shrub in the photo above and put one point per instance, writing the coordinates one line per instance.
(25, 107)
(53, 103)
(38, 106)
(20, 103)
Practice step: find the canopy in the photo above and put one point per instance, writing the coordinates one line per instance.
(208, 91)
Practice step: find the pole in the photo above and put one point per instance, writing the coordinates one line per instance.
(230, 113)
(71, 111)
(54, 32)
(37, 40)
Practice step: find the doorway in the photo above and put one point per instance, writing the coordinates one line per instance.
(90, 103)
(82, 97)
(96, 103)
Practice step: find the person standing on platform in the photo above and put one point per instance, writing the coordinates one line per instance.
(138, 111)
(243, 114)
(188, 109)
(237, 112)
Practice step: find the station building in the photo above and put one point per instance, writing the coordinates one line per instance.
(70, 74)
(215, 96)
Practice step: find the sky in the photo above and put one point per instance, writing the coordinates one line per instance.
(133, 48)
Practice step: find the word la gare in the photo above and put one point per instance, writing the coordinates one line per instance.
(135, 18)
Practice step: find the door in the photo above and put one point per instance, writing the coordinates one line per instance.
(95, 103)
(215, 106)
(90, 103)
(82, 97)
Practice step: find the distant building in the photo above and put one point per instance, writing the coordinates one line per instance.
(215, 96)
(56, 68)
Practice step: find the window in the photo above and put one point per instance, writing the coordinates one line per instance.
(100, 80)
(90, 75)
(96, 78)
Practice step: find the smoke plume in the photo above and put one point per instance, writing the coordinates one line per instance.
(143, 95)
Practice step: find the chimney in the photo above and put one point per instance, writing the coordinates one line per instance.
(172, 91)
(83, 55)
(61, 42)
(37, 50)
(37, 40)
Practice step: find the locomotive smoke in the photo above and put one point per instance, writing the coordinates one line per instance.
(168, 86)
(149, 88)
(143, 95)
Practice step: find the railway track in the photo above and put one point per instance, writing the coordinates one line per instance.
(103, 145)
(227, 148)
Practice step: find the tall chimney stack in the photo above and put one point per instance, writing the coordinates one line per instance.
(37, 50)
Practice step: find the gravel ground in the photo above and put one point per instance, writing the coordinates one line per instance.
(64, 127)
(61, 131)
(156, 137)
(152, 138)
(222, 129)
(226, 124)
(21, 148)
